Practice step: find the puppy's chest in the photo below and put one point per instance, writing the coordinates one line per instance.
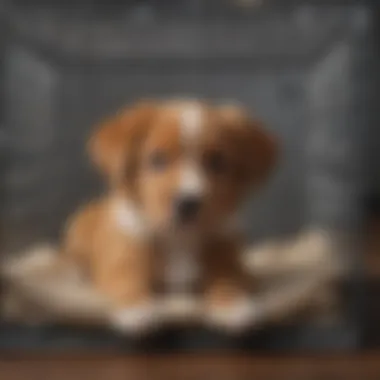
(182, 266)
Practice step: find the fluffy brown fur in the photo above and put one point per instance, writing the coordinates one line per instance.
(129, 265)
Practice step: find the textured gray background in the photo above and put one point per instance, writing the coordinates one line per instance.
(64, 68)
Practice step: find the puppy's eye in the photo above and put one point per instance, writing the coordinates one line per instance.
(215, 162)
(158, 160)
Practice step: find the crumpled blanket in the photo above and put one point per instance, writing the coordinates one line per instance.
(292, 276)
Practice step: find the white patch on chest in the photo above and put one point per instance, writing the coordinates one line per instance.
(128, 218)
(182, 269)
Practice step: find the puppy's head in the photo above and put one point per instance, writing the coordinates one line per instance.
(187, 163)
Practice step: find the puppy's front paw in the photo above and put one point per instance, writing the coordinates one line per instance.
(180, 308)
(135, 320)
(233, 317)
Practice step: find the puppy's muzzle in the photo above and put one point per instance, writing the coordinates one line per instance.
(187, 207)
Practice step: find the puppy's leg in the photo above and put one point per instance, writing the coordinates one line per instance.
(228, 304)
(125, 276)
(116, 262)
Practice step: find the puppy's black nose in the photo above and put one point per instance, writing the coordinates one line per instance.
(187, 207)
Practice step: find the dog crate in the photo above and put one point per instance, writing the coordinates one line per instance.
(67, 66)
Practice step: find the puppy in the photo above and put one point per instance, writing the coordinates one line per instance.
(177, 171)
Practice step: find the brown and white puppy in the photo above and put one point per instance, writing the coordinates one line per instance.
(178, 172)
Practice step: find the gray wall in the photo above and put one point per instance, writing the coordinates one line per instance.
(62, 73)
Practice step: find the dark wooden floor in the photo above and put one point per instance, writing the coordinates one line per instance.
(360, 367)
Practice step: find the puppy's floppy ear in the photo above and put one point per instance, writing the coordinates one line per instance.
(256, 147)
(113, 147)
